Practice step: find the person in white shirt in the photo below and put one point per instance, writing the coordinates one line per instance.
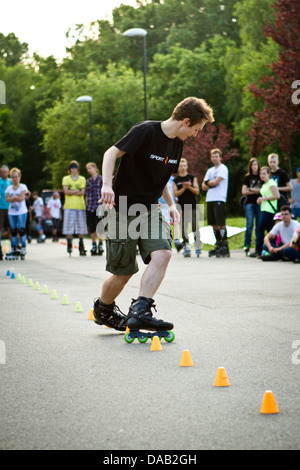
(216, 184)
(17, 213)
(38, 206)
(286, 230)
(54, 206)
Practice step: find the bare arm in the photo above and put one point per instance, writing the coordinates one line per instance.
(109, 161)
(174, 214)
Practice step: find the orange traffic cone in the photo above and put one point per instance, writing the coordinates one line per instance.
(155, 345)
(186, 360)
(91, 314)
(221, 378)
(269, 405)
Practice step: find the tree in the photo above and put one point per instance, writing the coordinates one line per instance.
(197, 150)
(279, 121)
(11, 49)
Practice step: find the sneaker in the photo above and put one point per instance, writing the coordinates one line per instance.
(246, 249)
(266, 257)
(254, 255)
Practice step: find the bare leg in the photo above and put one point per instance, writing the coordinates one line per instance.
(154, 273)
(112, 287)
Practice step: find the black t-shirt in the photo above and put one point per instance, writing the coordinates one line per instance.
(187, 197)
(252, 181)
(150, 159)
(281, 177)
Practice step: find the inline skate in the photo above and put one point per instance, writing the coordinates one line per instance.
(140, 317)
(109, 315)
(82, 250)
(12, 255)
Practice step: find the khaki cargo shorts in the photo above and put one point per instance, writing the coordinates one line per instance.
(125, 234)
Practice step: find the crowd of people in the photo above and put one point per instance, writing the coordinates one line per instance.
(19, 207)
(270, 200)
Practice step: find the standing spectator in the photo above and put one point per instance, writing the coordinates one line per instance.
(38, 207)
(92, 198)
(54, 206)
(250, 189)
(4, 183)
(74, 207)
(281, 177)
(216, 184)
(295, 196)
(268, 207)
(29, 215)
(17, 214)
(186, 188)
(286, 228)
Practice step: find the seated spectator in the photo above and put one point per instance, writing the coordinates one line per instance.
(293, 251)
(286, 230)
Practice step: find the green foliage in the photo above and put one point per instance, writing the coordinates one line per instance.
(66, 124)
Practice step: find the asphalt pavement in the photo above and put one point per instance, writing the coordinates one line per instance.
(69, 384)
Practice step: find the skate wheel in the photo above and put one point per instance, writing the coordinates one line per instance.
(143, 339)
(170, 336)
(128, 338)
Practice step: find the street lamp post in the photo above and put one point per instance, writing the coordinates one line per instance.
(143, 33)
(89, 99)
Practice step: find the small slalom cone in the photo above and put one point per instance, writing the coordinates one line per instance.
(45, 290)
(269, 405)
(19, 277)
(23, 280)
(65, 300)
(127, 330)
(37, 286)
(221, 378)
(54, 294)
(30, 283)
(8, 272)
(186, 360)
(13, 276)
(91, 314)
(78, 307)
(156, 345)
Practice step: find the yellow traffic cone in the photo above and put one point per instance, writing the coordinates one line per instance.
(78, 307)
(155, 346)
(269, 405)
(186, 360)
(45, 290)
(54, 294)
(37, 286)
(30, 283)
(65, 300)
(221, 378)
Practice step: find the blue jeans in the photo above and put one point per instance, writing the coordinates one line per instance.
(296, 212)
(252, 212)
(265, 223)
(291, 253)
(16, 223)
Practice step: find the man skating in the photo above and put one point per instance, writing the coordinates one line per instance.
(149, 153)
